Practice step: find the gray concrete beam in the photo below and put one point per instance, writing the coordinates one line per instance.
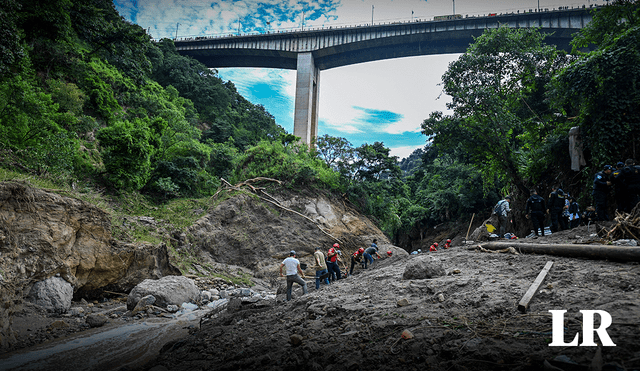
(305, 119)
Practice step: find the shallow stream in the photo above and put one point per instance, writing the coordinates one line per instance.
(105, 348)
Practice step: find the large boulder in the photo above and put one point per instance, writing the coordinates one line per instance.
(422, 267)
(167, 290)
(53, 294)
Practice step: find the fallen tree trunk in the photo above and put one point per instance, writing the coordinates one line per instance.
(607, 252)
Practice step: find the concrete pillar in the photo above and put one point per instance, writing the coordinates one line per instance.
(305, 120)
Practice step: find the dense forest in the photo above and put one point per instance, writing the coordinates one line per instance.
(89, 103)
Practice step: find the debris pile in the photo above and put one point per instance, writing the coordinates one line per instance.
(627, 226)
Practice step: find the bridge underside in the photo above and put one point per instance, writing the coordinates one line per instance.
(309, 63)
(364, 51)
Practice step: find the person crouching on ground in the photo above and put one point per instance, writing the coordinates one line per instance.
(292, 269)
(356, 258)
(369, 252)
(321, 267)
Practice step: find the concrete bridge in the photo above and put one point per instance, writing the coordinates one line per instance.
(311, 51)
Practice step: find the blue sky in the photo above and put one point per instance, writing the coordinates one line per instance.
(382, 101)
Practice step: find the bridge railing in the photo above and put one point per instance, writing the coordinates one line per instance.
(226, 35)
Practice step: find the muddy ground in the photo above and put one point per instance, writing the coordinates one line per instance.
(464, 320)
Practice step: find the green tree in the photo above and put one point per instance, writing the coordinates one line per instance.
(11, 50)
(492, 87)
(374, 162)
(127, 154)
(602, 88)
(333, 150)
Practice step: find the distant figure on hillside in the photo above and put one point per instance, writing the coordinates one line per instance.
(322, 272)
(447, 244)
(535, 210)
(332, 262)
(292, 269)
(601, 187)
(501, 210)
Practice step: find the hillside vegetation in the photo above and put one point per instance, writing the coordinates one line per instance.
(89, 104)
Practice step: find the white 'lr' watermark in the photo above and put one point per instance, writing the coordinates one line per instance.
(587, 329)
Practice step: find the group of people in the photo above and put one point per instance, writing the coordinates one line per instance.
(564, 210)
(434, 247)
(326, 267)
(624, 181)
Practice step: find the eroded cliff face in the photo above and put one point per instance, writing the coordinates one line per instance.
(257, 232)
(43, 234)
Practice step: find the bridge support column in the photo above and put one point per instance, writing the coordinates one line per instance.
(305, 120)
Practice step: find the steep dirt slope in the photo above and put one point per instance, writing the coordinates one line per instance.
(258, 231)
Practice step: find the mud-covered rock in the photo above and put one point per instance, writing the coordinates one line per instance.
(96, 320)
(167, 290)
(54, 294)
(423, 266)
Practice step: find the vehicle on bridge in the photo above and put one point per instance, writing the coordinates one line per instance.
(447, 17)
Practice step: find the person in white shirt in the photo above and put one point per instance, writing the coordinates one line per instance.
(292, 268)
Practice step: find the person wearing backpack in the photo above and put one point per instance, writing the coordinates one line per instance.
(502, 211)
(535, 210)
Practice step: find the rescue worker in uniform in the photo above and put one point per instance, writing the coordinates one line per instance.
(619, 188)
(631, 179)
(601, 187)
(555, 206)
(535, 210)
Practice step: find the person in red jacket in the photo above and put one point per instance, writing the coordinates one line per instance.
(447, 244)
(332, 262)
(356, 258)
(433, 248)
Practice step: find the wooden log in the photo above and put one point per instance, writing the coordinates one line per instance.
(524, 302)
(470, 223)
(608, 252)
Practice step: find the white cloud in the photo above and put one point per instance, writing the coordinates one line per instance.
(403, 152)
